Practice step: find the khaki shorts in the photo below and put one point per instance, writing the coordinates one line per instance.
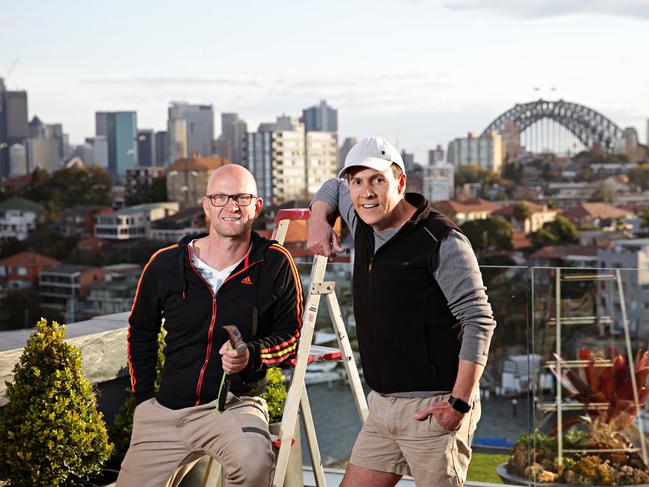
(392, 440)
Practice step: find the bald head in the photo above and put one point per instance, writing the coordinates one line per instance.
(232, 179)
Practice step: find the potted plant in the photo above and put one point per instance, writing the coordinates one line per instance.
(51, 433)
(610, 431)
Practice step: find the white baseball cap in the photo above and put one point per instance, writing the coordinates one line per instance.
(373, 152)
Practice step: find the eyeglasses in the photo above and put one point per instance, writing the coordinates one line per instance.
(241, 199)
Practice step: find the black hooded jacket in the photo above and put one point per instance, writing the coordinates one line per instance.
(262, 297)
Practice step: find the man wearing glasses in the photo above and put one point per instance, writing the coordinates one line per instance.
(228, 276)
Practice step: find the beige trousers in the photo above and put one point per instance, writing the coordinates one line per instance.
(165, 439)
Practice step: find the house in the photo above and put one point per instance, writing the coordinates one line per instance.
(631, 258)
(21, 271)
(115, 294)
(539, 215)
(132, 221)
(596, 215)
(575, 255)
(187, 178)
(519, 372)
(472, 209)
(63, 287)
(172, 228)
(18, 217)
(79, 221)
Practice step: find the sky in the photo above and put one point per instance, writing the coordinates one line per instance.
(417, 72)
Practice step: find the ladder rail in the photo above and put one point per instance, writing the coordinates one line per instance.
(348, 362)
(296, 388)
(297, 397)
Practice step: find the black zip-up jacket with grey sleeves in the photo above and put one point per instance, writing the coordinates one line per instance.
(262, 297)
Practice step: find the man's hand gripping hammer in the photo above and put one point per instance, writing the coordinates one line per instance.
(236, 343)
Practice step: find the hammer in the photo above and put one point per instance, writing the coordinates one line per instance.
(236, 343)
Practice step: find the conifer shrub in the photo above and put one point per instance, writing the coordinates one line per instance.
(51, 433)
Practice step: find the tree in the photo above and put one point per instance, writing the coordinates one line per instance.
(70, 187)
(19, 309)
(521, 212)
(51, 433)
(493, 233)
(560, 231)
(600, 195)
(473, 173)
(644, 220)
(639, 176)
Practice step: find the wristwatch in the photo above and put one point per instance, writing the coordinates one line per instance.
(459, 405)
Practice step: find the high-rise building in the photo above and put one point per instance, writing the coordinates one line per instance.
(348, 143)
(408, 160)
(162, 148)
(438, 181)
(233, 140)
(436, 155)
(14, 128)
(146, 148)
(44, 154)
(195, 134)
(321, 159)
(120, 130)
(485, 151)
(276, 157)
(47, 145)
(177, 130)
(17, 160)
(97, 151)
(320, 117)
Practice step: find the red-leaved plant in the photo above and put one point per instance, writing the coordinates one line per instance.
(607, 379)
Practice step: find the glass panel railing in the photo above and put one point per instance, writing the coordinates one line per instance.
(588, 325)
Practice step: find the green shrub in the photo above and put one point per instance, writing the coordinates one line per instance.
(275, 394)
(51, 433)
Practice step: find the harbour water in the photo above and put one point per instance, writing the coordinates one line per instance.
(337, 424)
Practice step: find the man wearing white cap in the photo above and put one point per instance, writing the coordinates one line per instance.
(423, 321)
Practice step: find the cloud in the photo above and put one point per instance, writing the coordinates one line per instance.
(531, 9)
(175, 81)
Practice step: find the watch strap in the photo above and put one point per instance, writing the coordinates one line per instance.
(459, 404)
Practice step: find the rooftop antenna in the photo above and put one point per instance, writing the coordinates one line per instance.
(3, 79)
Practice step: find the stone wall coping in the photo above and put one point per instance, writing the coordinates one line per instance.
(101, 340)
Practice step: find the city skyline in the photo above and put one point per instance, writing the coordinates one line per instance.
(417, 73)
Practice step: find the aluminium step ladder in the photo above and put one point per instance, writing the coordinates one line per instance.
(297, 400)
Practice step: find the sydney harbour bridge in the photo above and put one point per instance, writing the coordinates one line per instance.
(559, 126)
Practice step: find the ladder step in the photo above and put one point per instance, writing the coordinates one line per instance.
(588, 277)
(579, 364)
(602, 450)
(582, 320)
(276, 441)
(318, 353)
(574, 406)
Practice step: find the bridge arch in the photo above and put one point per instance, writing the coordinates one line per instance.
(589, 126)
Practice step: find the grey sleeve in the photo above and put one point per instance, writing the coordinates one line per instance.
(336, 193)
(460, 279)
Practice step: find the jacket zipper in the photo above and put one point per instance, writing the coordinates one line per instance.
(210, 331)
